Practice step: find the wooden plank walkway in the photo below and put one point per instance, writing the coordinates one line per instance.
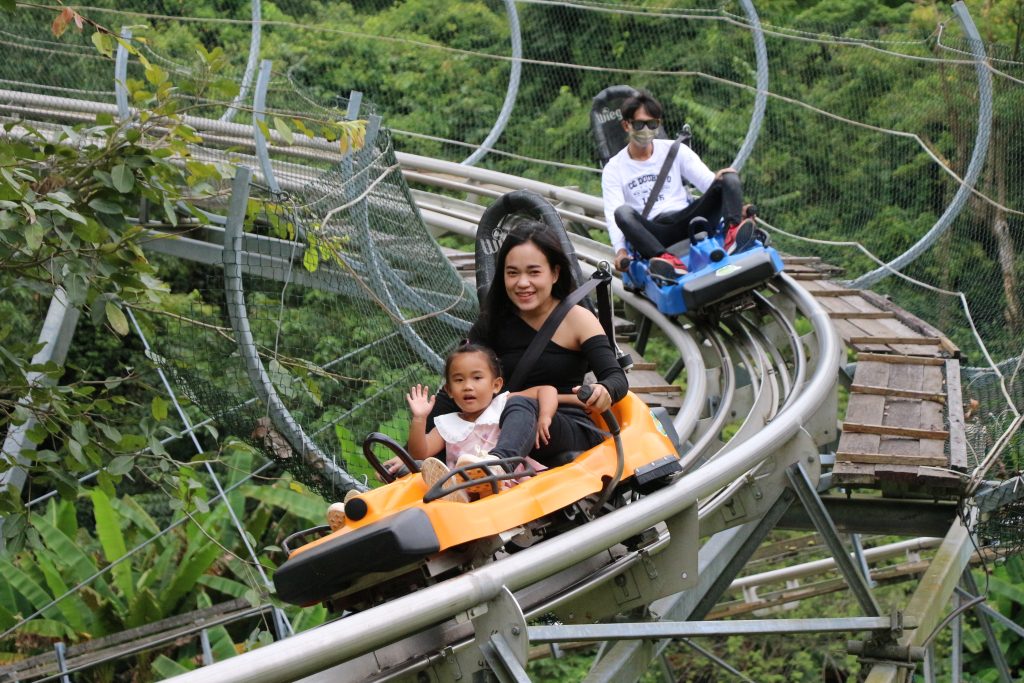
(903, 430)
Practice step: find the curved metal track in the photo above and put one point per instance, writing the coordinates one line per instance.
(733, 371)
(736, 372)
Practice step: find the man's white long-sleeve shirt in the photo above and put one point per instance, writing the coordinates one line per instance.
(628, 181)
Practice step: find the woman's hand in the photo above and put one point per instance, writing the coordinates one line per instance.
(543, 431)
(420, 401)
(600, 400)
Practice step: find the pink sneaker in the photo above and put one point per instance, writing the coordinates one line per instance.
(336, 512)
(433, 470)
(484, 489)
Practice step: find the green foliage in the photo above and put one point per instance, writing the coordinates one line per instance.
(1006, 597)
(130, 574)
(65, 199)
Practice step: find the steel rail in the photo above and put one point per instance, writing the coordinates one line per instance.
(333, 643)
(312, 651)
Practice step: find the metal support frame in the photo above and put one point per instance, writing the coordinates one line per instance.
(237, 311)
(720, 559)
(662, 570)
(870, 515)
(754, 534)
(55, 336)
(978, 156)
(515, 35)
(861, 559)
(699, 629)
(751, 496)
(857, 581)
(929, 603)
(500, 632)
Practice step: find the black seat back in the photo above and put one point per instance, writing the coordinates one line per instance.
(606, 121)
(499, 218)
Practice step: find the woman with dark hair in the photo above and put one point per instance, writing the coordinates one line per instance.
(532, 276)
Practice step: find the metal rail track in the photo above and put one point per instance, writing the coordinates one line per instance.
(733, 371)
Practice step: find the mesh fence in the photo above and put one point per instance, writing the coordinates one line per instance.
(867, 138)
(348, 301)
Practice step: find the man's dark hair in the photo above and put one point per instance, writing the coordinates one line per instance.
(641, 99)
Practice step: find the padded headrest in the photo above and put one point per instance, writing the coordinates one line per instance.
(499, 218)
(606, 121)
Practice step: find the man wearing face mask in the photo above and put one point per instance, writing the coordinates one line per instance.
(630, 176)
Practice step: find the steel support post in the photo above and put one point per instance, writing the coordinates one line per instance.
(927, 606)
(59, 651)
(55, 337)
(204, 642)
(720, 559)
(500, 632)
(666, 669)
(808, 495)
(928, 672)
(677, 367)
(956, 647)
(862, 561)
(998, 658)
(643, 333)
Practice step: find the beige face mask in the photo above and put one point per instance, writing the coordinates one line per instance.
(643, 136)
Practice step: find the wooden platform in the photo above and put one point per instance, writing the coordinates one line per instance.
(903, 431)
(647, 383)
(870, 322)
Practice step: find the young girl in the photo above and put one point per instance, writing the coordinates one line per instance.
(473, 380)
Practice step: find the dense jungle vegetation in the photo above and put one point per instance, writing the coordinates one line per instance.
(64, 220)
